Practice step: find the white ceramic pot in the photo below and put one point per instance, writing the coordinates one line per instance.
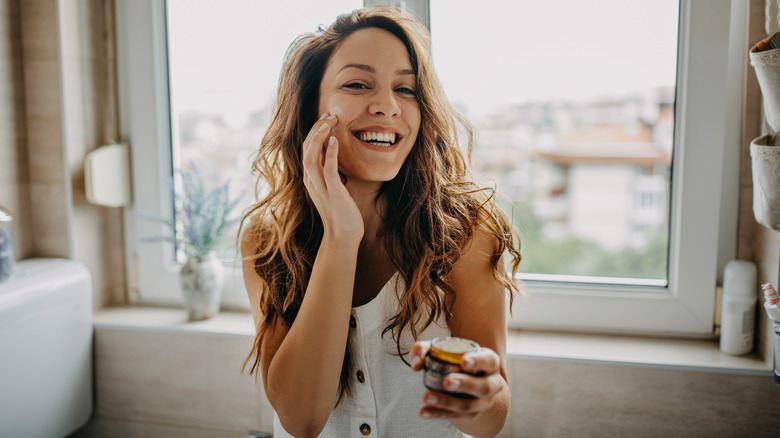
(201, 285)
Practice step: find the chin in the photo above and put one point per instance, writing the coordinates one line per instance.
(371, 175)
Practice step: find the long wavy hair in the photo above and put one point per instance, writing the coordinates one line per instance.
(436, 207)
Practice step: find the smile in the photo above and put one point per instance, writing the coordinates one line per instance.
(385, 139)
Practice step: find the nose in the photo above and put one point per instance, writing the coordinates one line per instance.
(384, 102)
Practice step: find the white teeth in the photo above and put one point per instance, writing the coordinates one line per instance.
(378, 137)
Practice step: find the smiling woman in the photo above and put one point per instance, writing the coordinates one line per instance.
(371, 241)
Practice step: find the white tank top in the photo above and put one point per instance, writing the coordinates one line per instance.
(386, 394)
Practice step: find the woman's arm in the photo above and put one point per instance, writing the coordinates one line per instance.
(301, 363)
(479, 314)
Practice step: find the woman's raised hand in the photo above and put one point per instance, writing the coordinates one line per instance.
(340, 215)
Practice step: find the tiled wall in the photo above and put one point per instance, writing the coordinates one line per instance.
(56, 104)
(49, 188)
(172, 384)
(90, 117)
(14, 175)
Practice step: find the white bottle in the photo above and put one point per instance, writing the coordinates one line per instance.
(738, 318)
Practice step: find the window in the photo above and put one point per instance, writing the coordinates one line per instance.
(198, 81)
(616, 159)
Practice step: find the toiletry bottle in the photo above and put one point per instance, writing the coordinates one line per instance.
(738, 309)
(772, 306)
(771, 302)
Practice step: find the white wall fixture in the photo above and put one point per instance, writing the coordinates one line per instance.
(107, 176)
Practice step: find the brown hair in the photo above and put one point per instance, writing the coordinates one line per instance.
(436, 206)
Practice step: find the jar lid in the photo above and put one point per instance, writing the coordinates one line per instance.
(5, 215)
(451, 349)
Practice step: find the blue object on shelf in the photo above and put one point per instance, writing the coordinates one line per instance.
(7, 259)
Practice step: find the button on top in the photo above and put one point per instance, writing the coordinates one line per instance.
(352, 322)
(361, 378)
(365, 429)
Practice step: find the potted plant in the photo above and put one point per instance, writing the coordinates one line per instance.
(202, 218)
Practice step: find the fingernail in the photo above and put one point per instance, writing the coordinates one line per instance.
(332, 141)
(331, 117)
(323, 116)
(468, 362)
(453, 384)
(426, 414)
(415, 361)
(431, 399)
(324, 127)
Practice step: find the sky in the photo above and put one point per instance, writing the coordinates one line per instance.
(226, 55)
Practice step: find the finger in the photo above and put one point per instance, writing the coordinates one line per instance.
(441, 414)
(312, 146)
(440, 405)
(480, 387)
(317, 125)
(485, 360)
(417, 354)
(331, 164)
(313, 153)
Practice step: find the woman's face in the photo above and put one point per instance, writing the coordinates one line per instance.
(370, 86)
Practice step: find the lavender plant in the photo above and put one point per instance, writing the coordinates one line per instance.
(202, 217)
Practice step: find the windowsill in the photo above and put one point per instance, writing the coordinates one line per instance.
(681, 354)
(702, 355)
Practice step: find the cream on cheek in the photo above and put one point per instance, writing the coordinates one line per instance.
(335, 106)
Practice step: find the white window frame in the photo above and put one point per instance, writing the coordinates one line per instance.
(711, 64)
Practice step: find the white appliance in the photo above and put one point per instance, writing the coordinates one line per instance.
(45, 349)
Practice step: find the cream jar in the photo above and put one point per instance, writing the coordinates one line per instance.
(444, 357)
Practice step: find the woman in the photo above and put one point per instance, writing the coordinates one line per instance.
(370, 240)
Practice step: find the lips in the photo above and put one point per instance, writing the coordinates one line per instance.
(378, 138)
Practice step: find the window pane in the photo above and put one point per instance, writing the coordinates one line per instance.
(224, 62)
(573, 103)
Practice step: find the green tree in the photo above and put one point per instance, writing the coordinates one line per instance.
(576, 256)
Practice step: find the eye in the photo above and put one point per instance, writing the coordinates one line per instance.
(356, 86)
(406, 90)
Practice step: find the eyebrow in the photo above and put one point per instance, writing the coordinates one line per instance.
(369, 69)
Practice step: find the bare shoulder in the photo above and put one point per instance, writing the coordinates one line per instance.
(250, 235)
(477, 256)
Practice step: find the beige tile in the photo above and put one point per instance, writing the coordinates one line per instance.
(177, 379)
(577, 399)
(49, 221)
(40, 28)
(191, 379)
(98, 243)
(747, 224)
(109, 428)
(114, 253)
(13, 166)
